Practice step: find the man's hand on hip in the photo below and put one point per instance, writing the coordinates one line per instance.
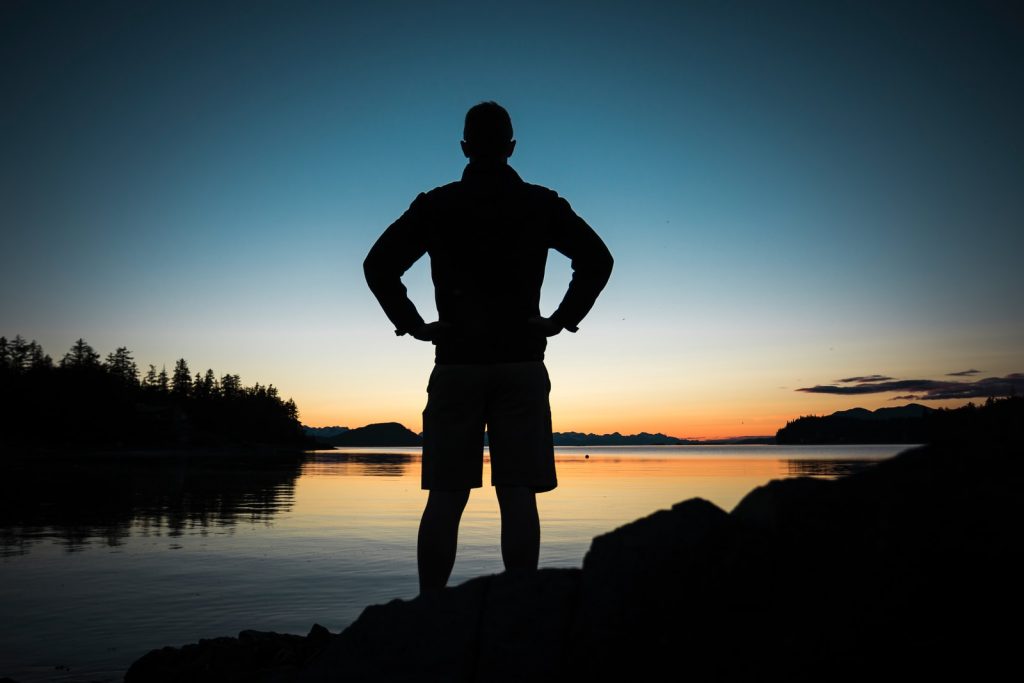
(544, 326)
(433, 332)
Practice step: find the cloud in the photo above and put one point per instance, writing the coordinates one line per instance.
(878, 387)
(926, 389)
(983, 388)
(865, 378)
(905, 397)
(964, 373)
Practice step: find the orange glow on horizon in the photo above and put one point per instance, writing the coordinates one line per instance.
(699, 426)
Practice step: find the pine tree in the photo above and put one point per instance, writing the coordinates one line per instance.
(18, 351)
(181, 380)
(80, 356)
(230, 385)
(210, 385)
(162, 381)
(18, 355)
(120, 364)
(37, 360)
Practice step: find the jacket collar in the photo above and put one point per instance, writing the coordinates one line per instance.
(477, 171)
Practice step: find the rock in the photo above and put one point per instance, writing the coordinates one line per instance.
(252, 656)
(525, 625)
(507, 627)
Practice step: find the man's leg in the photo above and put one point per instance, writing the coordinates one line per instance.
(520, 527)
(439, 537)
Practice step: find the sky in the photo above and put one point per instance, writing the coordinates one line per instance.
(795, 194)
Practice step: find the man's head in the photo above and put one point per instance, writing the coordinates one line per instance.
(487, 135)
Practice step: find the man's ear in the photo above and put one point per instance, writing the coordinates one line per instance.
(511, 148)
(465, 148)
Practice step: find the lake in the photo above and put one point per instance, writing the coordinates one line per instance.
(105, 558)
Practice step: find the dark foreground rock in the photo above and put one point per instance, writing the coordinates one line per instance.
(908, 570)
(252, 656)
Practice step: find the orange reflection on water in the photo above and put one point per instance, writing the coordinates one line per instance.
(375, 495)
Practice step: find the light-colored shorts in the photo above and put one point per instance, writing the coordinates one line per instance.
(510, 400)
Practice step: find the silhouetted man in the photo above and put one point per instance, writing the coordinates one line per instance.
(488, 237)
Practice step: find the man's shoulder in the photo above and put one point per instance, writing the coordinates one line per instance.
(440, 192)
(539, 191)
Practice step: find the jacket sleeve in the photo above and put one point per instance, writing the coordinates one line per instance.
(401, 245)
(591, 264)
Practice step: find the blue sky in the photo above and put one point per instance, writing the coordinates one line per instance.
(794, 192)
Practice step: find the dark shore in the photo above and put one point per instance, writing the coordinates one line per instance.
(902, 571)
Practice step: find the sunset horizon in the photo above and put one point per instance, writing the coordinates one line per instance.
(817, 195)
(701, 422)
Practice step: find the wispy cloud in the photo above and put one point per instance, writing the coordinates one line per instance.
(964, 373)
(865, 378)
(925, 389)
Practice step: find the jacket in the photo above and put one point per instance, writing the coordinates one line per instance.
(488, 237)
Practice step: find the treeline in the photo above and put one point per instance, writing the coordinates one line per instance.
(86, 401)
(997, 418)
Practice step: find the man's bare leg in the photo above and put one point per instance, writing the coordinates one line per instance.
(439, 537)
(520, 527)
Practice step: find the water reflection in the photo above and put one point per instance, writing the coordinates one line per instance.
(78, 501)
(826, 467)
(379, 464)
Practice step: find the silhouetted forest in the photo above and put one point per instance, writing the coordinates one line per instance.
(86, 401)
(995, 417)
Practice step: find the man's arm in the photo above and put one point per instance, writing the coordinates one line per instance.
(401, 245)
(591, 265)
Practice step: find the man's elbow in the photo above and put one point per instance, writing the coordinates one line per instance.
(371, 270)
(606, 264)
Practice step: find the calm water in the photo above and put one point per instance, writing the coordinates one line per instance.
(102, 560)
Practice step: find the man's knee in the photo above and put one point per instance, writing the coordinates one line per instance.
(448, 501)
(516, 497)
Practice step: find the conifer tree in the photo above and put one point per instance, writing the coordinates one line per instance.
(120, 364)
(197, 386)
(81, 356)
(18, 351)
(210, 385)
(291, 410)
(37, 359)
(181, 380)
(230, 385)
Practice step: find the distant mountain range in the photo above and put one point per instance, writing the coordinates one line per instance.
(395, 434)
(323, 432)
(646, 439)
(910, 424)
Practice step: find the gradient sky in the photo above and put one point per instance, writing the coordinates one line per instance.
(795, 193)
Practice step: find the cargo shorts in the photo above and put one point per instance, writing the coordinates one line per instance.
(510, 402)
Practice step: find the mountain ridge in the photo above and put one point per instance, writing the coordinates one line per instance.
(383, 434)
